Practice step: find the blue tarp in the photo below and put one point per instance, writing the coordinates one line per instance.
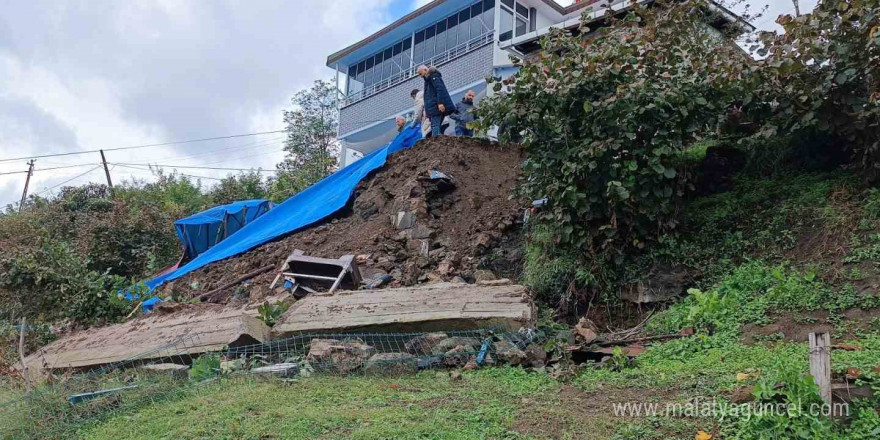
(310, 206)
(200, 232)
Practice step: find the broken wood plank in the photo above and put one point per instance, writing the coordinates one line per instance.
(237, 281)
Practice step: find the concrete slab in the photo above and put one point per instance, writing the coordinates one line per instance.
(432, 307)
(190, 330)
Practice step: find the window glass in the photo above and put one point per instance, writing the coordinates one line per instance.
(405, 55)
(509, 3)
(522, 10)
(386, 64)
(522, 26)
(464, 26)
(362, 70)
(395, 64)
(429, 44)
(505, 31)
(476, 24)
(451, 31)
(488, 14)
(440, 38)
(419, 48)
(368, 77)
(377, 68)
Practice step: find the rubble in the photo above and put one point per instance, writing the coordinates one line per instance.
(392, 364)
(339, 356)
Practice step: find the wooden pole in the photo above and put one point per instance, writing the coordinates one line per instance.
(237, 281)
(106, 170)
(24, 368)
(27, 184)
(820, 363)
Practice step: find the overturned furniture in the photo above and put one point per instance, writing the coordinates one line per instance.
(173, 337)
(300, 267)
(432, 307)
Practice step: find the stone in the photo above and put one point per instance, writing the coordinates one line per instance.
(509, 353)
(396, 274)
(420, 232)
(458, 280)
(283, 370)
(403, 220)
(338, 356)
(176, 371)
(458, 356)
(535, 356)
(743, 395)
(586, 330)
(422, 345)
(483, 239)
(392, 364)
(455, 376)
(445, 268)
(471, 365)
(447, 344)
(484, 275)
(434, 277)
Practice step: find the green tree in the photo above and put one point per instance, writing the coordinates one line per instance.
(311, 143)
(246, 185)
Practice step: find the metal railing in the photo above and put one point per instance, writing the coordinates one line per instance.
(448, 55)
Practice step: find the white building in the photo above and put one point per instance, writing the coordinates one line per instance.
(468, 40)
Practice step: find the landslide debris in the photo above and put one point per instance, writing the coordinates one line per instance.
(440, 211)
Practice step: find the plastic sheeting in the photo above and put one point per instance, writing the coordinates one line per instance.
(310, 206)
(202, 231)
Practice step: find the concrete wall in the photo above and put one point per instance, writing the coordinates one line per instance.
(457, 73)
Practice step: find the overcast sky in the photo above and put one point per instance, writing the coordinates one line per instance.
(89, 74)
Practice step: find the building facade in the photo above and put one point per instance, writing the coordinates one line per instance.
(468, 40)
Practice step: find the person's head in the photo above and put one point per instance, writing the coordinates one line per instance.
(470, 95)
(422, 70)
(414, 93)
(400, 121)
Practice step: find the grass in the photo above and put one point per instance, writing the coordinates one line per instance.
(484, 404)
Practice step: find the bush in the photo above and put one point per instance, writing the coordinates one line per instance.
(605, 120)
(820, 78)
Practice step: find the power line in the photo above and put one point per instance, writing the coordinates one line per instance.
(142, 146)
(67, 181)
(187, 175)
(195, 167)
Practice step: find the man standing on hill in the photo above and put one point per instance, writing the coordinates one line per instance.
(464, 113)
(438, 103)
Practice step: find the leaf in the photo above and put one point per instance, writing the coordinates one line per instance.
(669, 173)
(588, 107)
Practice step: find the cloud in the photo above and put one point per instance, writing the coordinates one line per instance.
(147, 71)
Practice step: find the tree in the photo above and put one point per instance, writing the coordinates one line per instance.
(311, 143)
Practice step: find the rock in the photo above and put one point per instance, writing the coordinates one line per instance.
(743, 395)
(471, 365)
(434, 277)
(403, 220)
(447, 344)
(455, 376)
(176, 371)
(509, 353)
(483, 239)
(535, 356)
(484, 275)
(283, 370)
(445, 268)
(422, 345)
(501, 282)
(392, 363)
(458, 356)
(458, 280)
(396, 274)
(586, 330)
(420, 232)
(339, 356)
(566, 336)
(664, 282)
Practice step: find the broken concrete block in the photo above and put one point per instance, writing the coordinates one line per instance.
(403, 220)
(535, 356)
(449, 343)
(282, 370)
(500, 282)
(339, 356)
(176, 371)
(445, 268)
(392, 363)
(422, 345)
(484, 275)
(509, 353)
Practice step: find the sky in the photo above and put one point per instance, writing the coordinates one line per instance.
(86, 75)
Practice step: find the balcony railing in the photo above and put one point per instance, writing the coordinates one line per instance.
(448, 55)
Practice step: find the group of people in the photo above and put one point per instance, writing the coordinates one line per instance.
(433, 105)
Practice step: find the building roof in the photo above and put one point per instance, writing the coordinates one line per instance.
(333, 58)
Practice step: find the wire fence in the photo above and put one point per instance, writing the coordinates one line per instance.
(67, 401)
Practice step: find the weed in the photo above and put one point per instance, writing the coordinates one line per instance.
(269, 313)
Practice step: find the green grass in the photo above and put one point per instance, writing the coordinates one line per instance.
(482, 405)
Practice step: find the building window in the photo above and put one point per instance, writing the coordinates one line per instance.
(452, 31)
(505, 32)
(513, 23)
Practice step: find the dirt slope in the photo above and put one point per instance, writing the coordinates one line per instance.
(466, 222)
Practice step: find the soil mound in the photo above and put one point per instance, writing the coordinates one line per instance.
(440, 210)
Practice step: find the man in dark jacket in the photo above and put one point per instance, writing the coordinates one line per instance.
(464, 113)
(438, 103)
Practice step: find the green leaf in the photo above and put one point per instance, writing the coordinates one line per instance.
(669, 173)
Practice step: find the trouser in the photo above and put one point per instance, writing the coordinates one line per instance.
(436, 121)
(461, 130)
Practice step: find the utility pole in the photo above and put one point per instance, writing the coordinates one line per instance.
(106, 170)
(27, 183)
(797, 8)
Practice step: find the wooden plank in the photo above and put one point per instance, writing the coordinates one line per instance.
(820, 363)
(458, 305)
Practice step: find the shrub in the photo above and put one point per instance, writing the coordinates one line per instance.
(605, 119)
